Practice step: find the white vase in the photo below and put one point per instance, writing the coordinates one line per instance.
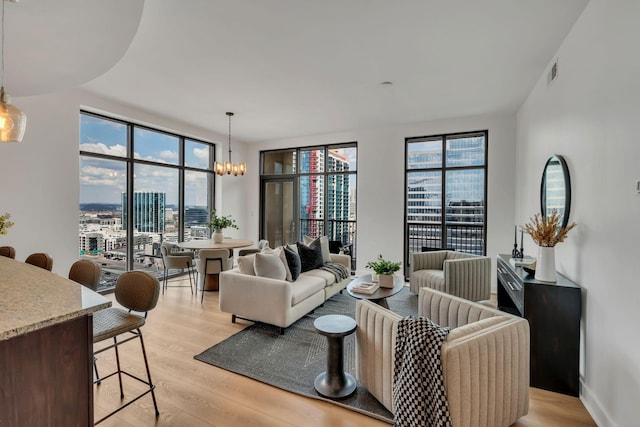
(217, 235)
(546, 264)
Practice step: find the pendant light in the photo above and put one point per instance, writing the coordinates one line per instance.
(12, 120)
(228, 167)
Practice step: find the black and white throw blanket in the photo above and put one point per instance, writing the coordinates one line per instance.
(419, 397)
(338, 270)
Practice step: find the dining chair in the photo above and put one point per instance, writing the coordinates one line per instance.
(136, 291)
(244, 252)
(176, 260)
(86, 273)
(8, 251)
(210, 263)
(40, 259)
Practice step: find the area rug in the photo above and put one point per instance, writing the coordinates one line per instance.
(292, 361)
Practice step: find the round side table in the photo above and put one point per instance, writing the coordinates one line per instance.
(334, 382)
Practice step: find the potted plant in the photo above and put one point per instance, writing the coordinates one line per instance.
(546, 233)
(219, 223)
(5, 224)
(384, 269)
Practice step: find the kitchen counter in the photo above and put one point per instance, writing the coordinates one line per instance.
(33, 298)
(46, 347)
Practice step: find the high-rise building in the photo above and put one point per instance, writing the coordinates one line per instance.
(148, 212)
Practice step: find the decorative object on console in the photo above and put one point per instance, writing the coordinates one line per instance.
(228, 167)
(219, 223)
(385, 270)
(12, 120)
(547, 233)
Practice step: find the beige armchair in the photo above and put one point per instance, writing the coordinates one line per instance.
(485, 357)
(464, 275)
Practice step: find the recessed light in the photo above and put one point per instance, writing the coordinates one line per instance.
(386, 84)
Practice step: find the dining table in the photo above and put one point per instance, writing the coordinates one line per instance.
(211, 244)
(211, 281)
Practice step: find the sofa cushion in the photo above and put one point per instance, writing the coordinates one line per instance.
(433, 279)
(323, 242)
(310, 258)
(283, 258)
(269, 265)
(328, 277)
(245, 264)
(293, 262)
(304, 287)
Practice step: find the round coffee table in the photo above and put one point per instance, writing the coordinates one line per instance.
(334, 382)
(381, 294)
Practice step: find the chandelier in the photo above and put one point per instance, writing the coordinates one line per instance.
(12, 120)
(228, 167)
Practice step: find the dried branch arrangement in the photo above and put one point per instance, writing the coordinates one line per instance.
(545, 230)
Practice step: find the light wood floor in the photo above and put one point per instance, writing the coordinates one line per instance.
(193, 393)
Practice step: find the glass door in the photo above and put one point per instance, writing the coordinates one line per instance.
(278, 213)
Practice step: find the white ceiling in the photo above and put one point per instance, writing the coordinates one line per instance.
(299, 67)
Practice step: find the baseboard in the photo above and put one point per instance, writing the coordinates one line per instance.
(594, 407)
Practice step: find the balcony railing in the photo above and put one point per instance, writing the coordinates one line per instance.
(462, 237)
(343, 231)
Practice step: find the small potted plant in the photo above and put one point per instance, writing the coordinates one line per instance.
(219, 223)
(384, 269)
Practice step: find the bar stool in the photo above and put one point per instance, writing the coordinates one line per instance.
(40, 259)
(8, 251)
(135, 291)
(85, 272)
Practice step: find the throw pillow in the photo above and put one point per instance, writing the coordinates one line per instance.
(293, 263)
(269, 265)
(245, 264)
(310, 258)
(323, 242)
(283, 258)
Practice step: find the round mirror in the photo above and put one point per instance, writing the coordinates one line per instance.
(555, 191)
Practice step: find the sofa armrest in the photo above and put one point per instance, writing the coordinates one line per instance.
(428, 260)
(253, 297)
(469, 278)
(375, 349)
(342, 259)
(486, 372)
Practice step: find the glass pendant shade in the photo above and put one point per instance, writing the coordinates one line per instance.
(13, 121)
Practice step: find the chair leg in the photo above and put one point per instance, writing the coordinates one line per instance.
(146, 365)
(164, 282)
(95, 368)
(115, 342)
(191, 284)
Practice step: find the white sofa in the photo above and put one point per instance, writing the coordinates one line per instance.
(278, 302)
(485, 357)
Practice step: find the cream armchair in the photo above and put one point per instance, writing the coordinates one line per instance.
(456, 273)
(485, 357)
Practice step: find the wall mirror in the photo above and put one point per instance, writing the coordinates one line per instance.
(555, 190)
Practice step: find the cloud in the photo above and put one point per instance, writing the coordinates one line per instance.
(168, 155)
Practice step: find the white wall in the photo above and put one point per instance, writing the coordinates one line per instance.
(590, 114)
(380, 186)
(39, 182)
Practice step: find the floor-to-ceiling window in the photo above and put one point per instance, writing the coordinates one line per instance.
(446, 186)
(139, 187)
(309, 191)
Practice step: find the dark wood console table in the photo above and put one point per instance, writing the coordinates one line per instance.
(553, 311)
